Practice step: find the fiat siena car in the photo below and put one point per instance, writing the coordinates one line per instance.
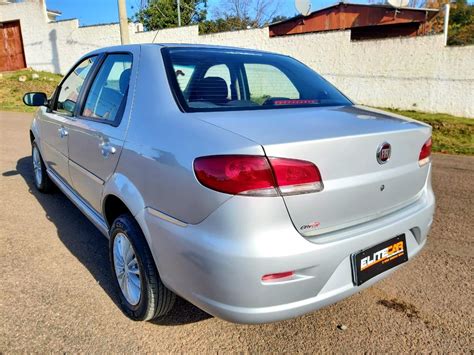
(237, 179)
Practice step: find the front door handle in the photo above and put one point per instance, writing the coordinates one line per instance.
(106, 149)
(62, 132)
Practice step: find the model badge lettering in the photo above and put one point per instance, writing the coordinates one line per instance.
(310, 226)
(382, 256)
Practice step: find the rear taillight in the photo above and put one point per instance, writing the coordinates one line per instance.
(425, 153)
(296, 176)
(257, 175)
(236, 174)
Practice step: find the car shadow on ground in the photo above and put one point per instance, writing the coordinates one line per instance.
(90, 247)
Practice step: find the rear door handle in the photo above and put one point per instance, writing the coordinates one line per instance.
(62, 132)
(106, 149)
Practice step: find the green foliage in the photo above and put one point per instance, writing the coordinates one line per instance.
(228, 23)
(160, 14)
(461, 24)
(233, 15)
(279, 18)
(453, 135)
(232, 23)
(230, 15)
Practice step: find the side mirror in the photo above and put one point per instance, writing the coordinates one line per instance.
(35, 99)
(69, 106)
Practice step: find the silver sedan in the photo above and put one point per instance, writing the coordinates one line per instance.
(239, 180)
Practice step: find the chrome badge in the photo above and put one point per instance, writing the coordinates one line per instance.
(384, 151)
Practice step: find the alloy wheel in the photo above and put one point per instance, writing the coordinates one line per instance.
(126, 268)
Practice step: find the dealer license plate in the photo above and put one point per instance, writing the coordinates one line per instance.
(371, 262)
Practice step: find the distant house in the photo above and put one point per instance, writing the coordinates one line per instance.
(13, 16)
(364, 21)
(53, 14)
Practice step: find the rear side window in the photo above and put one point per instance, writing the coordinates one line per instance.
(227, 80)
(107, 95)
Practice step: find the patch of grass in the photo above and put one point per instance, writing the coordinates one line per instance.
(451, 134)
(12, 90)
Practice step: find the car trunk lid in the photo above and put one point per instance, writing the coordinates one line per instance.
(343, 143)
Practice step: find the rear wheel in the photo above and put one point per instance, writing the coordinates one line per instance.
(142, 294)
(42, 181)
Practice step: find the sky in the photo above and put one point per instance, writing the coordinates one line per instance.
(92, 12)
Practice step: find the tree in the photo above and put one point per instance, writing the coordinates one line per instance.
(279, 18)
(461, 24)
(229, 23)
(233, 15)
(158, 14)
(254, 13)
(461, 21)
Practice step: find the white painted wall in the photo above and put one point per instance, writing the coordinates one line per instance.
(417, 73)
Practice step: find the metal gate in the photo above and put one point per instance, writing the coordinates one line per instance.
(12, 56)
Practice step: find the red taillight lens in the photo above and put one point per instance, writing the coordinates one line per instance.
(253, 175)
(425, 153)
(236, 174)
(296, 176)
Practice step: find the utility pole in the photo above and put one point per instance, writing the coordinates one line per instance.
(446, 22)
(124, 35)
(179, 13)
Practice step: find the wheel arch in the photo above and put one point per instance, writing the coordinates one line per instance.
(32, 136)
(34, 130)
(114, 207)
(120, 196)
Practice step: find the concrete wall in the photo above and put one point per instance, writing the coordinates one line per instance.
(417, 73)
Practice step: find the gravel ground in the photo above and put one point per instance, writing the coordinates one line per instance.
(56, 292)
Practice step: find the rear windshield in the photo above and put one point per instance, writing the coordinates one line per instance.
(206, 79)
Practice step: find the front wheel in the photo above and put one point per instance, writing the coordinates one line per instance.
(42, 181)
(143, 296)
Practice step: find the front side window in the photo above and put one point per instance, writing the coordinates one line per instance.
(227, 80)
(109, 88)
(71, 87)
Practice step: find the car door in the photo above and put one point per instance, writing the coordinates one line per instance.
(97, 136)
(54, 121)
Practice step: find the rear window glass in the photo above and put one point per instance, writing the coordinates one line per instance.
(183, 73)
(207, 79)
(267, 81)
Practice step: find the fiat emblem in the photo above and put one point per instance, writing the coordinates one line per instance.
(383, 152)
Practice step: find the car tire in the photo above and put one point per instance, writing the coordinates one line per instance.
(154, 299)
(42, 181)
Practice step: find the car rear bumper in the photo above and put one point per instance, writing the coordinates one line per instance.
(218, 264)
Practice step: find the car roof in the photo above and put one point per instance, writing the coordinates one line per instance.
(178, 45)
(208, 46)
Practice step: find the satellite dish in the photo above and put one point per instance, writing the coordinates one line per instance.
(398, 3)
(304, 6)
